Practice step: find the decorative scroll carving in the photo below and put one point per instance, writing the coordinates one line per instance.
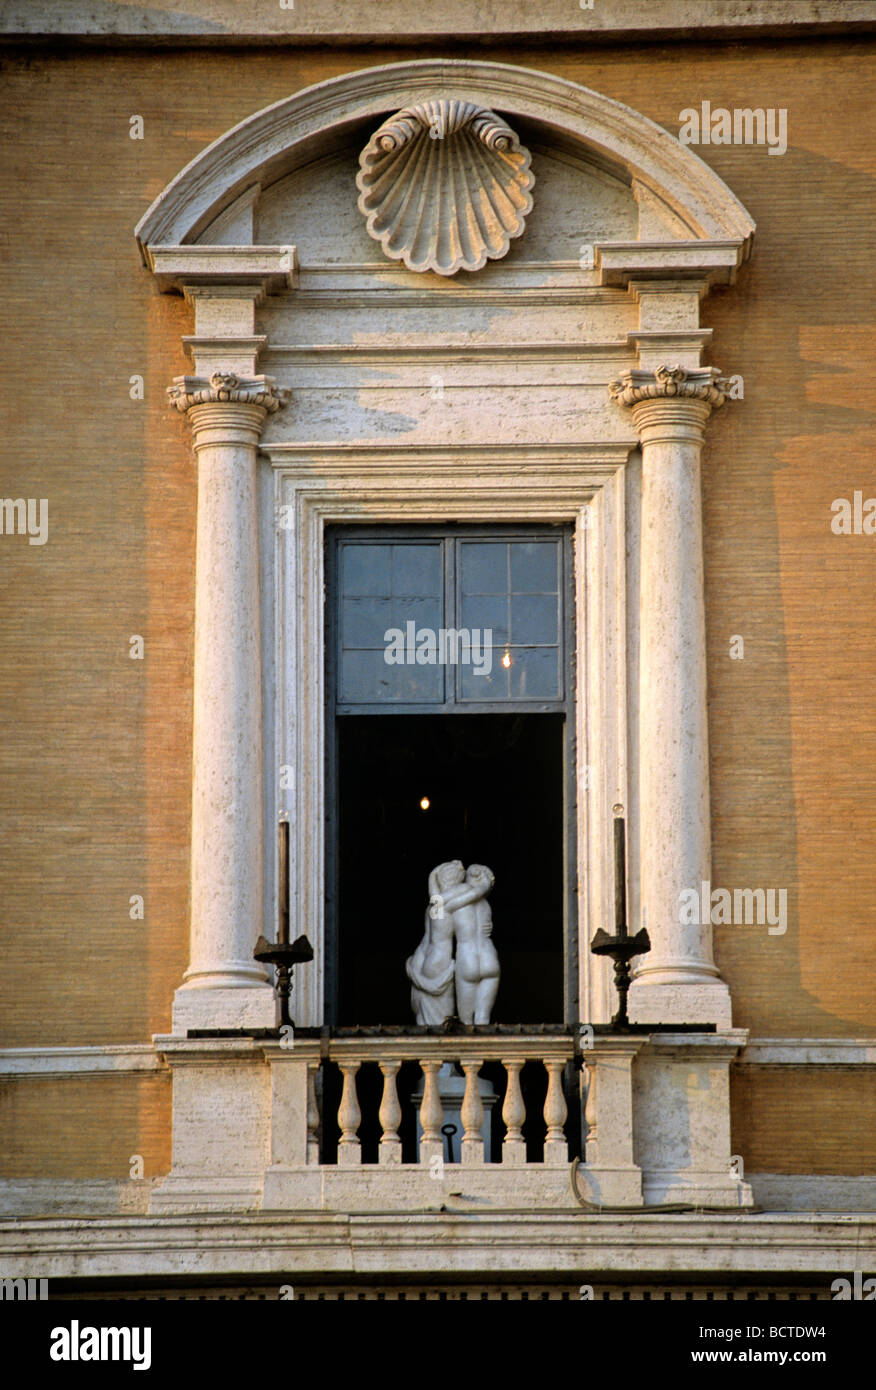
(187, 391)
(703, 384)
(445, 186)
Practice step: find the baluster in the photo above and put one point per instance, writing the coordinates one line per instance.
(472, 1113)
(556, 1150)
(389, 1114)
(513, 1113)
(431, 1114)
(590, 1104)
(349, 1119)
(312, 1115)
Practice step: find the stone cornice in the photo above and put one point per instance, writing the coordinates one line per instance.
(669, 383)
(408, 23)
(416, 1243)
(268, 269)
(114, 1058)
(723, 1045)
(227, 387)
(711, 262)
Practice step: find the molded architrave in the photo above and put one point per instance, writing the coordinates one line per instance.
(293, 131)
(317, 486)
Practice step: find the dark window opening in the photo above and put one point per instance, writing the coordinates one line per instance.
(494, 784)
(450, 736)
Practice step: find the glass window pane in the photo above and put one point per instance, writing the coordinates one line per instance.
(367, 678)
(364, 621)
(486, 614)
(534, 673)
(422, 612)
(534, 567)
(488, 680)
(503, 590)
(365, 569)
(416, 569)
(483, 567)
(534, 619)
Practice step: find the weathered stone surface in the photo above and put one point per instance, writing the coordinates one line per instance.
(409, 21)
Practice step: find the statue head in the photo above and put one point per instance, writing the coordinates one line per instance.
(478, 874)
(449, 874)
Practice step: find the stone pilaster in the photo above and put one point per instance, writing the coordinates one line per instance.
(678, 981)
(223, 986)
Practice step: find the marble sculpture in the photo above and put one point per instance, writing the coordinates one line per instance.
(463, 981)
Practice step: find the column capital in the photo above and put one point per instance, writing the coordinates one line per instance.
(703, 384)
(227, 387)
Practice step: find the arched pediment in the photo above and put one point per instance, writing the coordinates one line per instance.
(687, 198)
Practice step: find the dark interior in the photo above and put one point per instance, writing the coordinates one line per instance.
(495, 787)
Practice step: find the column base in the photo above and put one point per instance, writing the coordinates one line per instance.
(680, 1003)
(244, 1006)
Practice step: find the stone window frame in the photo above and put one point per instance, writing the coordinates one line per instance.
(583, 485)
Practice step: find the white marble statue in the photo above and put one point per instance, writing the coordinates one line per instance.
(477, 964)
(458, 913)
(431, 968)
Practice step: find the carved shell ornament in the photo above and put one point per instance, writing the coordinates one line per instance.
(445, 186)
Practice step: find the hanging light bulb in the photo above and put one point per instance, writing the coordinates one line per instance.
(425, 803)
(506, 659)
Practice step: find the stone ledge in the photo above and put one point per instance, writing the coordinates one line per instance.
(818, 1192)
(103, 1059)
(35, 1062)
(92, 1198)
(806, 1052)
(438, 1243)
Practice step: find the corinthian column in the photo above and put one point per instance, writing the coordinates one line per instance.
(223, 986)
(677, 982)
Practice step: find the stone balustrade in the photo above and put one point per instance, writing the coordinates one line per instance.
(350, 1054)
(351, 1120)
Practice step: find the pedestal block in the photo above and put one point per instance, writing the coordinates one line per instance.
(221, 1125)
(681, 1098)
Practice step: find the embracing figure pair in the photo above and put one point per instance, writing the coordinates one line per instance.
(464, 981)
